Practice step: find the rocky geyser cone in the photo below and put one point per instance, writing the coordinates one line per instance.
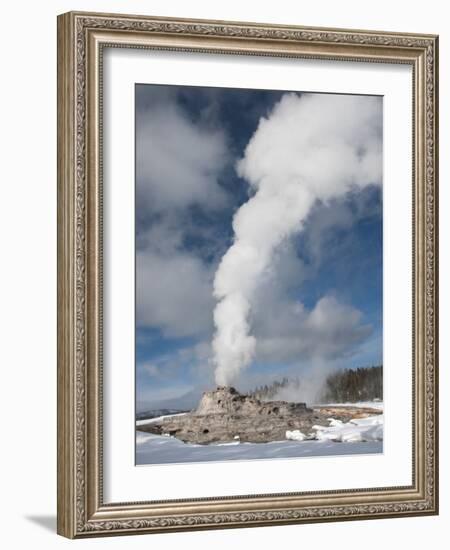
(225, 415)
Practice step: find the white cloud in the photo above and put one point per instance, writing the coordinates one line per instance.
(178, 164)
(288, 332)
(150, 368)
(174, 293)
(173, 367)
(178, 161)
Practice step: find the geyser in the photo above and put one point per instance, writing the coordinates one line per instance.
(312, 147)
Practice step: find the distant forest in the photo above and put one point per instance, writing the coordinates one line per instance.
(347, 385)
(350, 385)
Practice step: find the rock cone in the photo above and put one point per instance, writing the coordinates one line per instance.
(225, 415)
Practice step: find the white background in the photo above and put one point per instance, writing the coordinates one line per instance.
(123, 481)
(28, 274)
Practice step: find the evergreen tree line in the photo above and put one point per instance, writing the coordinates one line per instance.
(350, 385)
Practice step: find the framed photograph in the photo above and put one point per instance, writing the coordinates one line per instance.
(247, 274)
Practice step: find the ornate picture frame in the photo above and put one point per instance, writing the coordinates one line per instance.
(82, 39)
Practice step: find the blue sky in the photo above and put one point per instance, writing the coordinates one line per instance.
(189, 140)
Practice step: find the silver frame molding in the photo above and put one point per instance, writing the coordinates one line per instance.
(81, 39)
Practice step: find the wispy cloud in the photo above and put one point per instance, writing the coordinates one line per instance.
(178, 164)
(178, 161)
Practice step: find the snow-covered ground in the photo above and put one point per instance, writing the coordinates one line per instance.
(358, 436)
(154, 449)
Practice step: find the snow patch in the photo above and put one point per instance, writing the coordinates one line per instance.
(356, 430)
(295, 435)
(142, 437)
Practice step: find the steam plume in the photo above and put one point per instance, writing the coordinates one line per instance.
(311, 147)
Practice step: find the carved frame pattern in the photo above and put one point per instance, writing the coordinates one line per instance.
(81, 511)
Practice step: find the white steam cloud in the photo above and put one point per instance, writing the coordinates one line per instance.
(311, 147)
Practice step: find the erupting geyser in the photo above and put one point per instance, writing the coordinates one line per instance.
(311, 147)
